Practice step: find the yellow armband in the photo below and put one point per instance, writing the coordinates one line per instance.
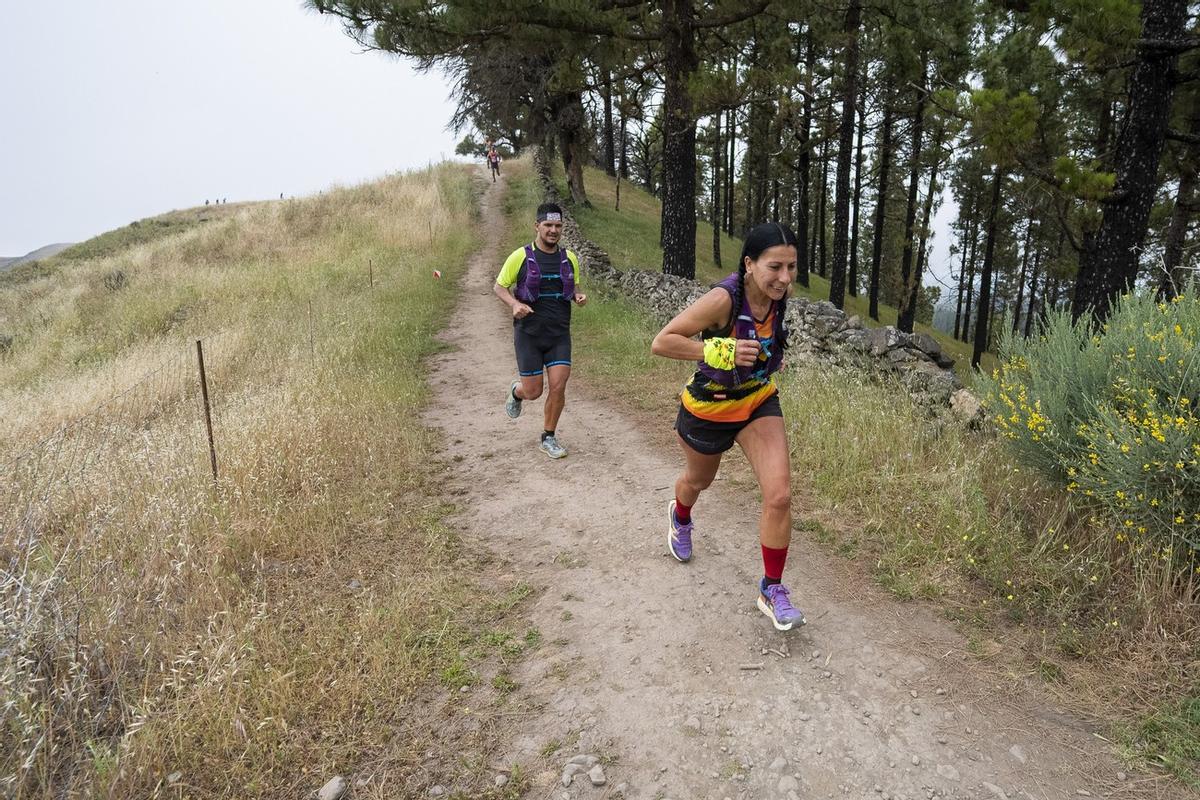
(719, 352)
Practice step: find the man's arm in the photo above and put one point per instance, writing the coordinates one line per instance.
(579, 297)
(519, 309)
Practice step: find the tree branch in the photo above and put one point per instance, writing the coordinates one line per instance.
(1180, 136)
(731, 19)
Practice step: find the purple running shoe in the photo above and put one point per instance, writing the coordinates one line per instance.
(679, 537)
(773, 601)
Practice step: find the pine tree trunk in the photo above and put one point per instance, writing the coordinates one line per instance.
(1016, 323)
(623, 169)
(841, 211)
(804, 171)
(679, 140)
(922, 255)
(970, 304)
(1037, 266)
(718, 154)
(1108, 265)
(985, 282)
(609, 139)
(907, 311)
(731, 165)
(822, 223)
(962, 274)
(572, 145)
(1174, 278)
(885, 163)
(852, 279)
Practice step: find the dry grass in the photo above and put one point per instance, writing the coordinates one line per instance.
(162, 636)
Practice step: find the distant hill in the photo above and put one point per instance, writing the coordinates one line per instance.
(42, 252)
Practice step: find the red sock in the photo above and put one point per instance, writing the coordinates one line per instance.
(773, 560)
(683, 514)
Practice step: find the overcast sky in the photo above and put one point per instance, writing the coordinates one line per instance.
(125, 109)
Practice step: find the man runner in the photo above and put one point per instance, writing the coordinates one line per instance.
(494, 163)
(538, 283)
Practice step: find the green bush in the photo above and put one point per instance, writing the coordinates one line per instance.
(1112, 417)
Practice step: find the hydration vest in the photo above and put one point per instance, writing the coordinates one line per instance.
(741, 326)
(529, 280)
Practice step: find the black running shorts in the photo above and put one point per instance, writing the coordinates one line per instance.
(711, 438)
(535, 352)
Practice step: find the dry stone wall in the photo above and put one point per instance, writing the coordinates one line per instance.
(818, 330)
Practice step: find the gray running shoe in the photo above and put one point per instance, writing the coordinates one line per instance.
(512, 404)
(552, 448)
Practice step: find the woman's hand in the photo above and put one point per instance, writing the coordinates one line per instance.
(747, 352)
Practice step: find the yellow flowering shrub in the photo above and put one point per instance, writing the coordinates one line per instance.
(1111, 415)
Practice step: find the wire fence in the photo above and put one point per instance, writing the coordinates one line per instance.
(106, 505)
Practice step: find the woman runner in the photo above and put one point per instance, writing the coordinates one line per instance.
(732, 398)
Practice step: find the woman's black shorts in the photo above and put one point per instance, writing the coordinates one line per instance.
(711, 438)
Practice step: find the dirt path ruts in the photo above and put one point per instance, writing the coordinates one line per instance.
(642, 658)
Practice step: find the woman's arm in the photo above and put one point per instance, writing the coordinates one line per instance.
(710, 311)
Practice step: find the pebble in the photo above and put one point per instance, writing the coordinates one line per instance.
(1083, 793)
(596, 776)
(916, 761)
(501, 781)
(621, 789)
(465, 689)
(334, 789)
(176, 777)
(788, 784)
(693, 724)
(948, 771)
(1016, 752)
(1121, 776)
(587, 761)
(779, 764)
(437, 791)
(996, 790)
(941, 740)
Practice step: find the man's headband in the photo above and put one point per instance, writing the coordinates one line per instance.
(549, 216)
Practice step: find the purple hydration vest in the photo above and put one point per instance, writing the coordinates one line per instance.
(529, 283)
(742, 327)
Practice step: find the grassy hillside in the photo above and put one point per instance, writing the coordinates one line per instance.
(165, 635)
(631, 238)
(934, 513)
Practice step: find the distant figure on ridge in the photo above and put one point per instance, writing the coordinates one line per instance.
(538, 283)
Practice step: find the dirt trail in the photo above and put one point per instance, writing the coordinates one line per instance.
(642, 657)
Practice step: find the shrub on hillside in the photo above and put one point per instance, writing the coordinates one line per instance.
(1111, 416)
